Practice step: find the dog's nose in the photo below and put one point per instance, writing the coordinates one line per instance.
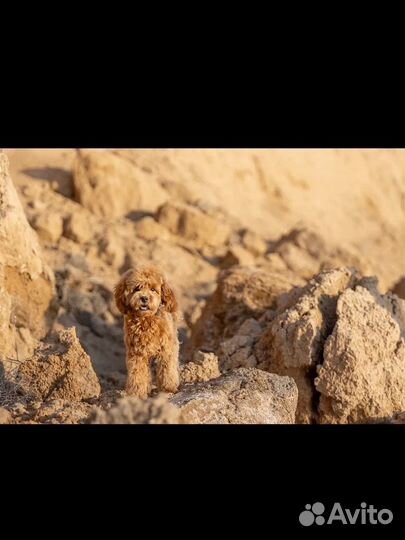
(144, 299)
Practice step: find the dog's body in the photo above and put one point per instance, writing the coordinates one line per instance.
(150, 314)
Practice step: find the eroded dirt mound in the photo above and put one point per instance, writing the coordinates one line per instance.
(59, 369)
(26, 281)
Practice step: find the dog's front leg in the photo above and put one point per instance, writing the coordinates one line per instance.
(168, 377)
(138, 379)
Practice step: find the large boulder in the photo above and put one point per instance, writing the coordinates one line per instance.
(293, 341)
(27, 289)
(362, 377)
(243, 396)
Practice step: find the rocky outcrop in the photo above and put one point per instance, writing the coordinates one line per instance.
(241, 293)
(244, 396)
(362, 377)
(293, 341)
(338, 337)
(26, 282)
(59, 369)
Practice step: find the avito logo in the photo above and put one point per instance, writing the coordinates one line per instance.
(365, 515)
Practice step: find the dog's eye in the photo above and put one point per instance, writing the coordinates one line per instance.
(136, 289)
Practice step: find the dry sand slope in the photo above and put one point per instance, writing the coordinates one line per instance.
(267, 249)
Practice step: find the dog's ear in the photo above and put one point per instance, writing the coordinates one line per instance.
(119, 294)
(169, 299)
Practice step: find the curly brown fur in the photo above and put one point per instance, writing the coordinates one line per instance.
(150, 312)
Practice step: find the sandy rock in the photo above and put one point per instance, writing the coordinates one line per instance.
(112, 250)
(275, 263)
(254, 243)
(59, 411)
(192, 224)
(237, 255)
(293, 341)
(250, 327)
(18, 408)
(242, 293)
(244, 396)
(362, 376)
(111, 186)
(192, 315)
(5, 416)
(298, 334)
(238, 351)
(149, 229)
(204, 367)
(59, 369)
(49, 226)
(26, 282)
(131, 410)
(78, 228)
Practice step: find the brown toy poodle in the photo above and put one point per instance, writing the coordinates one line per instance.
(150, 312)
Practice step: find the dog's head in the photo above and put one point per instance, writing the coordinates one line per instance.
(142, 291)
